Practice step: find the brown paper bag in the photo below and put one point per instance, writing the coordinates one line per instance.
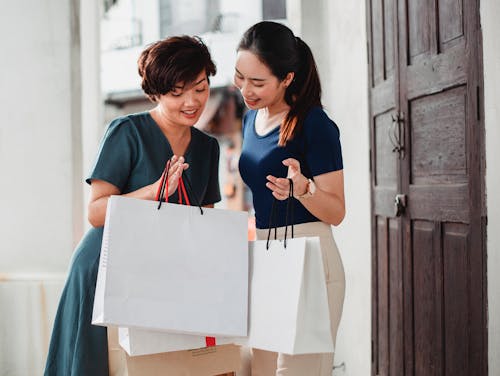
(208, 361)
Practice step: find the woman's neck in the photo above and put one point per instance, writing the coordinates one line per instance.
(272, 117)
(177, 135)
(276, 110)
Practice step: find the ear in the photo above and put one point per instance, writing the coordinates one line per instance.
(288, 79)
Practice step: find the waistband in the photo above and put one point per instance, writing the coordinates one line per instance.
(300, 230)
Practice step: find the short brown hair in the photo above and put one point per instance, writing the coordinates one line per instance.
(169, 61)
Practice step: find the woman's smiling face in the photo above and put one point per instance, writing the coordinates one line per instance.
(184, 104)
(259, 87)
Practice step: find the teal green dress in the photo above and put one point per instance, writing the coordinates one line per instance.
(132, 154)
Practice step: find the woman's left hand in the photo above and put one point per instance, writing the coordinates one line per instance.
(280, 187)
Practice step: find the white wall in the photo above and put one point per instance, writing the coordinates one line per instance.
(41, 158)
(490, 14)
(92, 107)
(247, 13)
(336, 32)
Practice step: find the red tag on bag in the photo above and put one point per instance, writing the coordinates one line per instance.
(210, 341)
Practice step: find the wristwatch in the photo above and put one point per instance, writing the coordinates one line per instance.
(310, 189)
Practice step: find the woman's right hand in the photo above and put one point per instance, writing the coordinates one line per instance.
(177, 166)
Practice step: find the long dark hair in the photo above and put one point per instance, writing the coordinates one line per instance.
(278, 48)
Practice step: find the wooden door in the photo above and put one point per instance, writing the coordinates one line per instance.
(386, 184)
(429, 292)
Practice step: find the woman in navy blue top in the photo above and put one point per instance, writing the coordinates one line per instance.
(287, 135)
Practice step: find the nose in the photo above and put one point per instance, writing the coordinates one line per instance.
(245, 90)
(190, 98)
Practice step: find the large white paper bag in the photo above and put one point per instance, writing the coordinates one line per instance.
(173, 269)
(144, 342)
(288, 298)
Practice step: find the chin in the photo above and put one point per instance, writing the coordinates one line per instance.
(189, 122)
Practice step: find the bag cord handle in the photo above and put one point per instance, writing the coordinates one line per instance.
(288, 218)
(160, 193)
(188, 184)
(181, 189)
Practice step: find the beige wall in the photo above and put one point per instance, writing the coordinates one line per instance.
(490, 14)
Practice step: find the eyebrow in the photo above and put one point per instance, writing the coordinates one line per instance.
(250, 78)
(196, 83)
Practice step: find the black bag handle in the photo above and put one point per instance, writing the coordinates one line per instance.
(189, 187)
(289, 215)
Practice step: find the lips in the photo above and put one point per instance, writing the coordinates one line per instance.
(190, 114)
(251, 102)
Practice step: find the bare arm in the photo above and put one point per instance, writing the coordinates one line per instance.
(327, 203)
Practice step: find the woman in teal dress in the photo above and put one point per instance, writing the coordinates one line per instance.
(133, 152)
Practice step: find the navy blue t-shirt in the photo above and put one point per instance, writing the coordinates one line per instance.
(316, 147)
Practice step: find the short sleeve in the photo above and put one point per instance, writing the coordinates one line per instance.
(322, 143)
(116, 154)
(212, 194)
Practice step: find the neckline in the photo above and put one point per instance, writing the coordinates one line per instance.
(158, 128)
(270, 132)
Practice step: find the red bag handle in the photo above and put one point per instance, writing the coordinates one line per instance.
(181, 189)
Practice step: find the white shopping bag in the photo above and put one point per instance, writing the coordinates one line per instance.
(145, 342)
(173, 269)
(288, 299)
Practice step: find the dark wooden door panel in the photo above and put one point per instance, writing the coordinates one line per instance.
(439, 202)
(437, 72)
(396, 366)
(386, 161)
(435, 90)
(385, 182)
(382, 98)
(457, 313)
(437, 156)
(441, 315)
(438, 87)
(388, 330)
(451, 22)
(382, 40)
(438, 138)
(381, 314)
(428, 293)
(427, 299)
